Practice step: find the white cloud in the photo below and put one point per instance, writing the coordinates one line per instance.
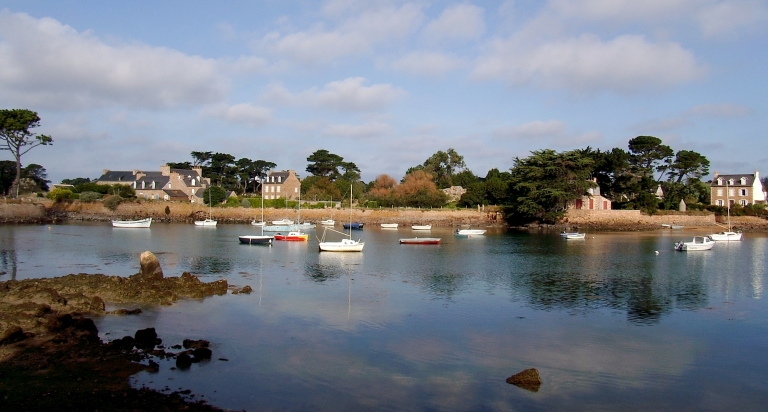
(345, 95)
(621, 10)
(460, 22)
(626, 64)
(731, 16)
(367, 130)
(721, 110)
(538, 129)
(245, 113)
(50, 65)
(356, 35)
(427, 63)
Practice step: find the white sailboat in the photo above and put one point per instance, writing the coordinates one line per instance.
(209, 222)
(729, 235)
(344, 245)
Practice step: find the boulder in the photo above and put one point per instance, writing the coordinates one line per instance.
(183, 361)
(528, 379)
(195, 344)
(146, 338)
(150, 266)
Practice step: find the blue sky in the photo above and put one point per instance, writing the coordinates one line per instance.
(384, 84)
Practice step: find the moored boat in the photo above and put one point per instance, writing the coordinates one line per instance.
(344, 245)
(206, 222)
(143, 223)
(421, 241)
(470, 232)
(255, 239)
(576, 236)
(421, 227)
(282, 222)
(354, 225)
(727, 236)
(698, 243)
(327, 222)
(293, 237)
(389, 225)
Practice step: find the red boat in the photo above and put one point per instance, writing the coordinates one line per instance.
(293, 236)
(420, 241)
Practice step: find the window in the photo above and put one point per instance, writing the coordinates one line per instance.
(743, 181)
(720, 192)
(720, 181)
(730, 182)
(743, 192)
(731, 192)
(743, 202)
(278, 189)
(720, 202)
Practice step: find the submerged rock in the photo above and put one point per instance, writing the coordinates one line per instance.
(528, 379)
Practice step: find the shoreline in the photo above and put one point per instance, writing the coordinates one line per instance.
(31, 211)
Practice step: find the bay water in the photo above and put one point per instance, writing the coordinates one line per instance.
(609, 323)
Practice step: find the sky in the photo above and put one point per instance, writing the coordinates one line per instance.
(384, 84)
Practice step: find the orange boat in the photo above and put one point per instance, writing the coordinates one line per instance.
(293, 236)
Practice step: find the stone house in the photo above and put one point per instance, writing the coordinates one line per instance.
(593, 200)
(742, 189)
(281, 185)
(167, 184)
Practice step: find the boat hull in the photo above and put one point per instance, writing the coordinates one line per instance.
(726, 236)
(206, 222)
(389, 225)
(292, 237)
(470, 232)
(255, 240)
(344, 245)
(354, 225)
(421, 227)
(421, 241)
(698, 243)
(142, 223)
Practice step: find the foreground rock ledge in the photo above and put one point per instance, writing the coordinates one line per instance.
(51, 357)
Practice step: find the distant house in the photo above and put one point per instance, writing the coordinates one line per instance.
(742, 189)
(282, 185)
(167, 184)
(454, 193)
(593, 200)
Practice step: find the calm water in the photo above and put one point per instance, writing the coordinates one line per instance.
(609, 324)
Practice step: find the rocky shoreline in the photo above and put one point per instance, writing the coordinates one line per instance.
(51, 356)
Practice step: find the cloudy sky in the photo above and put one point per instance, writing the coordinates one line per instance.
(384, 84)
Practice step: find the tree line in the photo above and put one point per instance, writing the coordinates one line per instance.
(539, 187)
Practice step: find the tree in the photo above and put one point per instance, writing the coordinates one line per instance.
(7, 175)
(15, 125)
(419, 190)
(214, 195)
(325, 164)
(688, 164)
(543, 184)
(37, 174)
(76, 181)
(201, 159)
(382, 190)
(441, 166)
(648, 155)
(180, 165)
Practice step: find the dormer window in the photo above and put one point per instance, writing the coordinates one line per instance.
(743, 181)
(143, 184)
(730, 182)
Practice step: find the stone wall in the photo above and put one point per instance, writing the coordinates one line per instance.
(22, 212)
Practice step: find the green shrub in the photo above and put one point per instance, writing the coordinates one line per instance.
(111, 202)
(89, 197)
(60, 195)
(245, 203)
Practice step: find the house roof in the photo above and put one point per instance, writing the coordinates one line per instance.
(176, 194)
(157, 177)
(117, 176)
(279, 177)
(750, 179)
